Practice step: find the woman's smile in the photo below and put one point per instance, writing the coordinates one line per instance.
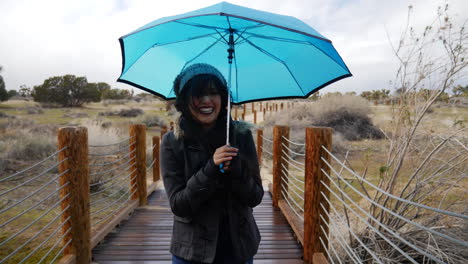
(205, 109)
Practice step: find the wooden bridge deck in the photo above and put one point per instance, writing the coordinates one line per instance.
(145, 236)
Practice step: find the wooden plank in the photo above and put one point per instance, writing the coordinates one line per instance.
(319, 258)
(296, 224)
(67, 259)
(107, 227)
(145, 237)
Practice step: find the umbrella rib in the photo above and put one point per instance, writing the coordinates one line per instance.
(183, 40)
(198, 55)
(277, 59)
(253, 35)
(203, 51)
(198, 25)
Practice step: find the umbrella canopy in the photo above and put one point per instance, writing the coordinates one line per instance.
(273, 56)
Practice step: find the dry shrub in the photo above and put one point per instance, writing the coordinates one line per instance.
(34, 110)
(347, 115)
(115, 102)
(3, 115)
(26, 146)
(76, 115)
(153, 120)
(132, 112)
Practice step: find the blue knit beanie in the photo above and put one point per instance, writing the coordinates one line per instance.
(193, 70)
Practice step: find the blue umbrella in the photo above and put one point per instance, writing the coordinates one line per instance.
(270, 56)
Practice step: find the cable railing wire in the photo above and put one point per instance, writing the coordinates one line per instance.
(121, 184)
(292, 142)
(33, 178)
(33, 237)
(465, 217)
(61, 250)
(114, 162)
(32, 223)
(33, 193)
(331, 246)
(328, 253)
(351, 231)
(292, 208)
(33, 166)
(54, 245)
(31, 207)
(292, 159)
(292, 175)
(113, 169)
(341, 240)
(287, 175)
(111, 204)
(112, 144)
(292, 189)
(454, 240)
(113, 177)
(45, 241)
(109, 215)
(113, 184)
(266, 151)
(380, 224)
(295, 166)
(267, 139)
(113, 152)
(292, 151)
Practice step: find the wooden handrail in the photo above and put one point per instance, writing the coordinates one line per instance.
(278, 133)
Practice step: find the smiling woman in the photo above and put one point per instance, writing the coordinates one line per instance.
(212, 207)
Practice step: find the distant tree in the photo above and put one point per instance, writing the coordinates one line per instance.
(333, 94)
(460, 91)
(24, 91)
(12, 93)
(116, 94)
(367, 95)
(3, 91)
(67, 90)
(315, 96)
(350, 93)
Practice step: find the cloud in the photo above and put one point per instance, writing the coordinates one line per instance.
(40, 39)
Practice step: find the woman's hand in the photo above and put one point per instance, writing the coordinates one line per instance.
(224, 155)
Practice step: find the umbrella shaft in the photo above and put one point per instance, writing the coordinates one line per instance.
(228, 105)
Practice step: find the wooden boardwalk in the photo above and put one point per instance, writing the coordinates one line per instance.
(145, 236)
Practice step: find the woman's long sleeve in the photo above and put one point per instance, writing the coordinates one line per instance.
(185, 197)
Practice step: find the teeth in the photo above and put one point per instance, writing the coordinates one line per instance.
(206, 110)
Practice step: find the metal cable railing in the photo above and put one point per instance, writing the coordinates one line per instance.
(113, 169)
(113, 144)
(356, 237)
(434, 232)
(292, 142)
(37, 233)
(465, 217)
(32, 194)
(33, 178)
(33, 166)
(112, 212)
(120, 184)
(112, 152)
(114, 162)
(52, 248)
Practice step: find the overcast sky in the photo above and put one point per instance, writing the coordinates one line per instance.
(41, 39)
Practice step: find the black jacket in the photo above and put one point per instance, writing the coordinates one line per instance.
(199, 193)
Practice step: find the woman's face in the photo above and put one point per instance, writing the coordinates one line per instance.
(205, 109)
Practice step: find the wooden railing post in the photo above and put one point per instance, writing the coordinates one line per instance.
(255, 117)
(138, 158)
(235, 113)
(316, 137)
(278, 133)
(76, 178)
(156, 171)
(259, 146)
